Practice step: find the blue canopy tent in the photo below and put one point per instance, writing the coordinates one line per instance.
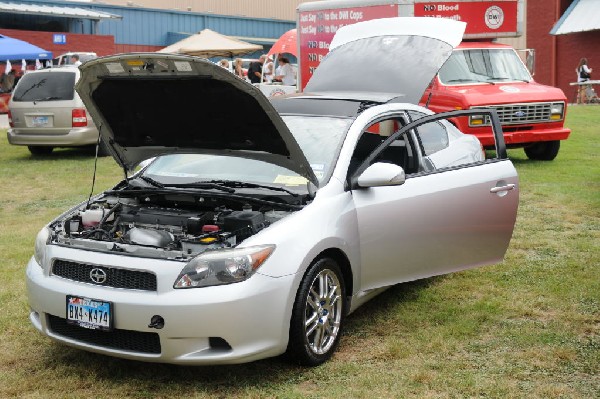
(15, 49)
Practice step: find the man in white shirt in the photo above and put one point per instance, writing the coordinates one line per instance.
(75, 60)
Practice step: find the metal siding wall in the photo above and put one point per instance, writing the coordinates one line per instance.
(151, 27)
(276, 9)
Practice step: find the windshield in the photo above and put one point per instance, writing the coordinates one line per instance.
(483, 66)
(320, 138)
(45, 86)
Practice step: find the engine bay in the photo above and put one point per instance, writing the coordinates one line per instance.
(167, 226)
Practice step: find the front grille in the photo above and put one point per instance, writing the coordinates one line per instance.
(116, 278)
(142, 342)
(513, 114)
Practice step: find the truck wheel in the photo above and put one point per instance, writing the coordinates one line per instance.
(543, 151)
(319, 308)
(39, 150)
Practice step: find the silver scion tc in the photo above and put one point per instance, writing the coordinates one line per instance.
(258, 227)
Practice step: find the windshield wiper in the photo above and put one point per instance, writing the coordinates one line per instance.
(151, 181)
(202, 185)
(242, 184)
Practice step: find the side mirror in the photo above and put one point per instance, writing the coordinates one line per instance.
(382, 174)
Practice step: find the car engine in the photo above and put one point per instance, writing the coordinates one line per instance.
(176, 227)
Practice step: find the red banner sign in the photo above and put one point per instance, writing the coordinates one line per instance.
(483, 18)
(317, 28)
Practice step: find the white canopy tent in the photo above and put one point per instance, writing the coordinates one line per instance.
(208, 44)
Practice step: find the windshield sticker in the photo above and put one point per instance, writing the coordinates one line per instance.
(183, 66)
(114, 67)
(290, 180)
(317, 166)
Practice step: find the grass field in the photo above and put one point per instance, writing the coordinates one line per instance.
(528, 327)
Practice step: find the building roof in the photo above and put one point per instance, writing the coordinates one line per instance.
(581, 16)
(57, 11)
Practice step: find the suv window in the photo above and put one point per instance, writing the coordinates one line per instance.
(45, 86)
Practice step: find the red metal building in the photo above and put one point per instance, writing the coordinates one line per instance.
(557, 55)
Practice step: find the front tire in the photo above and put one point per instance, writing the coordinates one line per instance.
(543, 151)
(318, 314)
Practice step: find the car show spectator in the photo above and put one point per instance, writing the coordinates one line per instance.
(286, 73)
(223, 63)
(75, 60)
(584, 73)
(7, 81)
(255, 70)
(238, 69)
(268, 69)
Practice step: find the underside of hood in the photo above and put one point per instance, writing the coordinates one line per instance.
(146, 105)
(394, 57)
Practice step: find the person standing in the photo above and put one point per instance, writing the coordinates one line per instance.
(75, 60)
(255, 70)
(584, 73)
(286, 73)
(267, 71)
(237, 68)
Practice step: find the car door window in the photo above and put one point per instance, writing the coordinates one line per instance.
(433, 136)
(442, 145)
(422, 143)
(400, 151)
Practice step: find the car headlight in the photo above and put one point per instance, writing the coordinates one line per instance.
(223, 266)
(557, 111)
(40, 245)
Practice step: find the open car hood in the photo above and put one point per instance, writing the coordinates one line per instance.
(150, 104)
(394, 57)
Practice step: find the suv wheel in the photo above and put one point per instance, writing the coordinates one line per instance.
(39, 150)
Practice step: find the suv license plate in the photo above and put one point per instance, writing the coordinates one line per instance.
(40, 121)
(89, 313)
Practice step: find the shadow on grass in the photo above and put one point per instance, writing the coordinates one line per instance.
(62, 154)
(217, 380)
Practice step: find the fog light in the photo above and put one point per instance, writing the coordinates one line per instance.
(477, 120)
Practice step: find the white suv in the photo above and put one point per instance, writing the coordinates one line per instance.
(65, 59)
(45, 112)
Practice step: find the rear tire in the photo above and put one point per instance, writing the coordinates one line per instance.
(318, 314)
(39, 150)
(543, 151)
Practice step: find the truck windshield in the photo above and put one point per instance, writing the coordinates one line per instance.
(483, 66)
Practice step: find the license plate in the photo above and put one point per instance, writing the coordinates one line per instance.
(39, 121)
(89, 313)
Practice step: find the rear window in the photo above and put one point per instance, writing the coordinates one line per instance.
(45, 86)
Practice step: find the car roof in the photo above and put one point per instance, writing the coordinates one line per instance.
(56, 68)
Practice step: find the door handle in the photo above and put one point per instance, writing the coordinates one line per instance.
(500, 189)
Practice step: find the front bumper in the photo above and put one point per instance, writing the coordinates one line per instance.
(515, 137)
(73, 138)
(247, 321)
